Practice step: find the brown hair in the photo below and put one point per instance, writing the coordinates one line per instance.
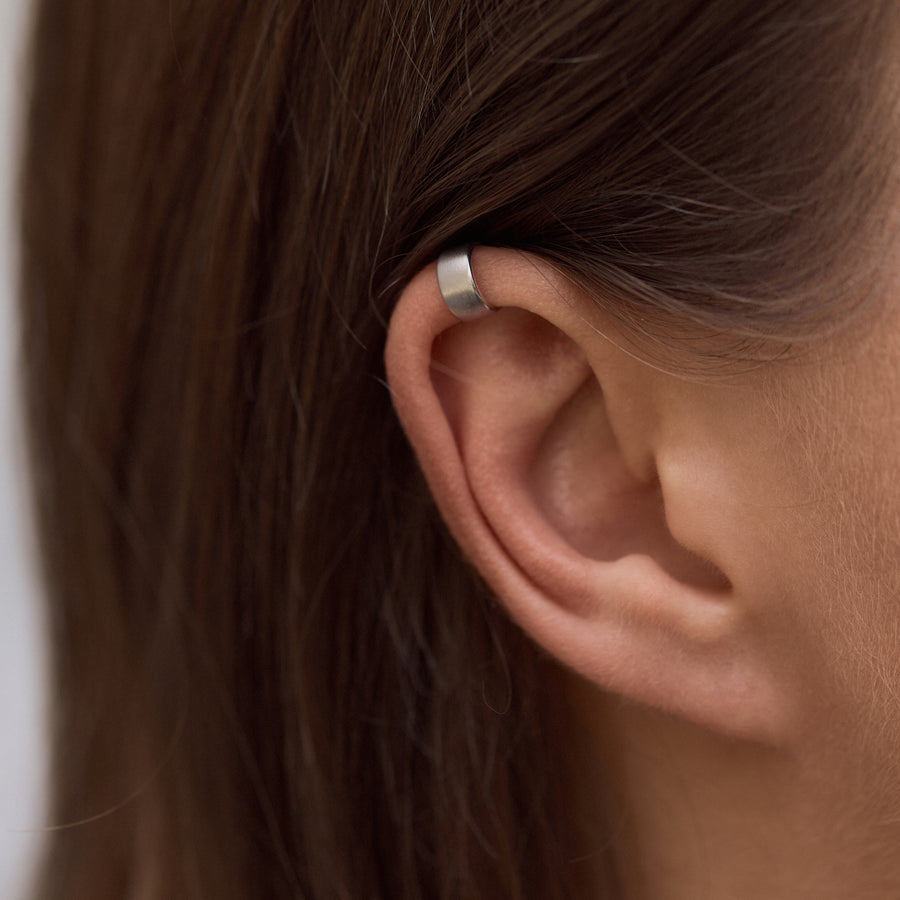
(274, 674)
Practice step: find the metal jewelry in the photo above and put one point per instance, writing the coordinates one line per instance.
(457, 283)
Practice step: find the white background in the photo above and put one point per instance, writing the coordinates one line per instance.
(22, 741)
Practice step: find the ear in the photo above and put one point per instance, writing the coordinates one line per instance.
(539, 438)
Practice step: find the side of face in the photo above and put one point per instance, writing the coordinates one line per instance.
(724, 548)
(835, 543)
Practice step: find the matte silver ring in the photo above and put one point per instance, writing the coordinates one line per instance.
(457, 283)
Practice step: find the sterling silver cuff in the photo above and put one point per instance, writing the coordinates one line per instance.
(457, 283)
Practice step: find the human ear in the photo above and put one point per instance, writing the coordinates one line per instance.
(539, 437)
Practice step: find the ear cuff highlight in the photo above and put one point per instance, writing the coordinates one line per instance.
(457, 284)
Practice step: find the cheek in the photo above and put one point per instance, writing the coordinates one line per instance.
(841, 556)
(858, 561)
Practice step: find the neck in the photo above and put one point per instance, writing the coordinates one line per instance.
(696, 815)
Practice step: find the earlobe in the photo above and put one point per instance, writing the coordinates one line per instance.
(543, 472)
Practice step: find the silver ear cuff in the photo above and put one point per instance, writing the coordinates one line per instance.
(457, 283)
